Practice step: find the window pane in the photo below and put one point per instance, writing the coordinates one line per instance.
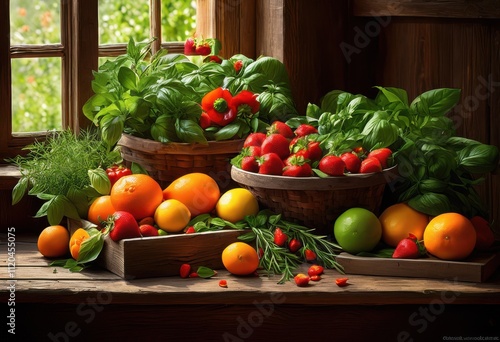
(36, 94)
(123, 19)
(35, 22)
(178, 20)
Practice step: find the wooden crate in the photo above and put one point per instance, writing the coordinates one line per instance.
(161, 256)
(476, 268)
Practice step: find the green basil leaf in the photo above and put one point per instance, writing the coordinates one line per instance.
(112, 128)
(91, 247)
(137, 168)
(436, 102)
(431, 203)
(379, 133)
(99, 180)
(80, 200)
(478, 158)
(205, 272)
(391, 95)
(19, 190)
(189, 131)
(127, 78)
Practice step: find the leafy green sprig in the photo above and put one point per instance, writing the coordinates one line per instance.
(57, 171)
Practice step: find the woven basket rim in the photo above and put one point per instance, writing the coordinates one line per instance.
(155, 147)
(257, 180)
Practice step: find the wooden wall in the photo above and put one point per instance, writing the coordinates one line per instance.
(413, 44)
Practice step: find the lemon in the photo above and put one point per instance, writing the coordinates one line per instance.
(235, 204)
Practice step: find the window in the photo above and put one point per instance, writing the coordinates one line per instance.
(54, 45)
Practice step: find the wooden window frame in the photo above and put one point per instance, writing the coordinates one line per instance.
(79, 51)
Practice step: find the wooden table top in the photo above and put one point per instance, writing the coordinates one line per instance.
(37, 282)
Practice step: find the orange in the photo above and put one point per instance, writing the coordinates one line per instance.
(172, 216)
(399, 220)
(53, 241)
(450, 236)
(357, 230)
(239, 258)
(484, 235)
(138, 194)
(76, 240)
(100, 209)
(235, 204)
(198, 191)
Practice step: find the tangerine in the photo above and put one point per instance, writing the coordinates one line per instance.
(239, 258)
(100, 209)
(53, 241)
(450, 236)
(198, 191)
(399, 220)
(76, 240)
(172, 216)
(138, 194)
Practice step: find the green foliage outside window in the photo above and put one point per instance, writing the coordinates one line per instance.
(36, 83)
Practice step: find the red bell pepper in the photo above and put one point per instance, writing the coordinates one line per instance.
(217, 104)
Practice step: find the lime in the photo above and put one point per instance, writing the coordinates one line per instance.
(357, 230)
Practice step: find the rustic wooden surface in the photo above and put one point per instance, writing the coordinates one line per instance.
(101, 304)
(54, 303)
(476, 268)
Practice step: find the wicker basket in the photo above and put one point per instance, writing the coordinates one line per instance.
(316, 202)
(167, 162)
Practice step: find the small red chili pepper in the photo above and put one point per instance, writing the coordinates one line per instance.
(310, 255)
(301, 280)
(315, 277)
(280, 238)
(217, 104)
(190, 230)
(238, 65)
(315, 270)
(185, 270)
(294, 245)
(193, 275)
(223, 283)
(341, 282)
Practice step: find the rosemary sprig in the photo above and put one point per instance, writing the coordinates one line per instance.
(273, 258)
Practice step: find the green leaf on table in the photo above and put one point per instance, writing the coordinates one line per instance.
(205, 272)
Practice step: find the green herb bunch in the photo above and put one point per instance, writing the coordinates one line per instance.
(438, 170)
(276, 260)
(56, 170)
(157, 96)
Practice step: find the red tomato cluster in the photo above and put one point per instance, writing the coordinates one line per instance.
(296, 153)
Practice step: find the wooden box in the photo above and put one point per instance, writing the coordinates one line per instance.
(161, 256)
(476, 268)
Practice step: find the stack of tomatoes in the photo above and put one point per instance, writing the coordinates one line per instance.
(297, 152)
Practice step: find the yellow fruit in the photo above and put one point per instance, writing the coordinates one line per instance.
(399, 220)
(172, 216)
(235, 204)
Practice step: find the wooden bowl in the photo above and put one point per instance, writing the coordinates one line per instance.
(316, 202)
